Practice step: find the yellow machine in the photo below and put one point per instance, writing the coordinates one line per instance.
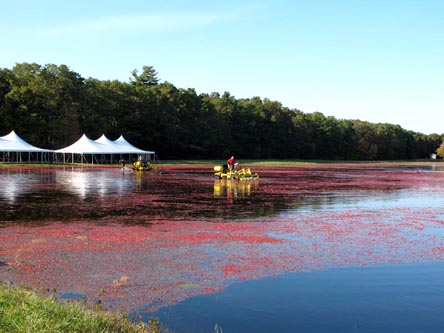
(223, 172)
(142, 166)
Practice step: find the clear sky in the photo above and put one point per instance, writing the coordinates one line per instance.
(374, 60)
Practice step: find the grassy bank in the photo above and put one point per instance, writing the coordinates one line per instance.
(23, 310)
(293, 162)
(243, 161)
(219, 162)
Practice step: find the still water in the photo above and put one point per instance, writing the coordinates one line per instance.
(330, 248)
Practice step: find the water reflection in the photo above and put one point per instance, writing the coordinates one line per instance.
(11, 186)
(14, 184)
(72, 193)
(60, 194)
(148, 240)
(232, 189)
(89, 183)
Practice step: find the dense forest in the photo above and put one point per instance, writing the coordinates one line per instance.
(51, 106)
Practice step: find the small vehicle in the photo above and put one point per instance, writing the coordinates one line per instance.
(142, 166)
(224, 172)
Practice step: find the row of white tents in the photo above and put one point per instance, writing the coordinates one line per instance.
(15, 149)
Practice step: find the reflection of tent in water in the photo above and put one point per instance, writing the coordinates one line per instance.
(12, 186)
(223, 187)
(102, 150)
(15, 149)
(84, 183)
(19, 182)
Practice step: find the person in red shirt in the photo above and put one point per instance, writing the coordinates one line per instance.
(231, 161)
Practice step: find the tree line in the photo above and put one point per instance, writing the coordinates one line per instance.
(51, 106)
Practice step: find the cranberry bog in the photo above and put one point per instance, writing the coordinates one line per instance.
(196, 252)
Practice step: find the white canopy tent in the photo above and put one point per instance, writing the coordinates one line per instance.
(123, 147)
(129, 148)
(104, 140)
(15, 149)
(89, 150)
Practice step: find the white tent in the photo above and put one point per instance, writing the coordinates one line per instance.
(102, 147)
(14, 148)
(104, 140)
(121, 146)
(129, 148)
(85, 146)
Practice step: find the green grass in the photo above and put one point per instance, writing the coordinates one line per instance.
(287, 162)
(220, 162)
(26, 311)
(246, 161)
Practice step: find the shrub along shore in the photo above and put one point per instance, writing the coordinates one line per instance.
(26, 310)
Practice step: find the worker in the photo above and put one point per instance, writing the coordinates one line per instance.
(231, 162)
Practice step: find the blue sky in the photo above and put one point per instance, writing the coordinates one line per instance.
(374, 60)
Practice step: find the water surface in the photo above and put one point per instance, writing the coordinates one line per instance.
(330, 248)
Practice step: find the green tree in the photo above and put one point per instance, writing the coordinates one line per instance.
(110, 107)
(227, 108)
(61, 109)
(365, 141)
(51, 106)
(303, 146)
(5, 109)
(44, 103)
(148, 77)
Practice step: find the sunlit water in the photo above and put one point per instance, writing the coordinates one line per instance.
(331, 248)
